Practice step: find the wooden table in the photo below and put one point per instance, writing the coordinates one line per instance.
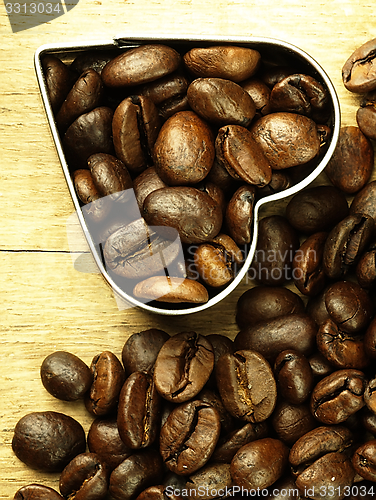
(46, 304)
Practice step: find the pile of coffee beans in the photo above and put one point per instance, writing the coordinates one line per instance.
(169, 148)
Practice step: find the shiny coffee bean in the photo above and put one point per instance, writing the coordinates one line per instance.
(370, 339)
(140, 65)
(366, 268)
(213, 398)
(247, 386)
(279, 182)
(86, 476)
(351, 165)
(294, 376)
(108, 374)
(239, 214)
(138, 413)
(48, 440)
(84, 185)
(104, 440)
(96, 60)
(183, 366)
(37, 492)
(189, 436)
(221, 345)
(65, 376)
(364, 202)
(320, 365)
(317, 209)
(262, 303)
(364, 460)
(357, 72)
(172, 290)
(366, 120)
(259, 464)
(291, 421)
(370, 395)
(307, 270)
(110, 177)
(338, 396)
(145, 183)
(260, 94)
(59, 80)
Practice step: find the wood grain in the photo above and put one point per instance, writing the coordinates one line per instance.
(46, 303)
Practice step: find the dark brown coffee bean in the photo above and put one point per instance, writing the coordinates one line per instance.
(364, 201)
(171, 290)
(84, 186)
(341, 349)
(218, 175)
(276, 246)
(349, 306)
(86, 476)
(317, 209)
(65, 376)
(223, 61)
(239, 214)
(370, 339)
(94, 59)
(364, 460)
(277, 132)
(138, 414)
(338, 396)
(366, 120)
(48, 440)
(320, 365)
(269, 338)
(246, 384)
(184, 150)
(153, 493)
(193, 213)
(279, 182)
(294, 376)
(59, 80)
(213, 398)
(366, 268)
(262, 303)
(109, 376)
(351, 165)
(141, 349)
(259, 464)
(209, 481)
(85, 95)
(316, 308)
(37, 492)
(345, 244)
(357, 72)
(110, 177)
(189, 436)
(242, 157)
(221, 102)
(307, 270)
(90, 133)
(260, 94)
(290, 421)
(104, 440)
(145, 183)
(221, 345)
(144, 467)
(142, 64)
(183, 366)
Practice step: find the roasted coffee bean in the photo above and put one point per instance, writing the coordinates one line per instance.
(153, 493)
(242, 157)
(358, 73)
(183, 366)
(345, 244)
(138, 414)
(223, 61)
(48, 440)
(140, 65)
(86, 476)
(167, 90)
(221, 102)
(109, 376)
(341, 349)
(291, 421)
(338, 396)
(189, 436)
(317, 209)
(37, 492)
(269, 338)
(302, 94)
(276, 246)
(171, 290)
(209, 481)
(193, 213)
(221, 345)
(307, 270)
(333, 470)
(144, 467)
(316, 308)
(145, 183)
(260, 94)
(59, 80)
(350, 167)
(320, 365)
(104, 440)
(262, 303)
(277, 132)
(366, 120)
(135, 128)
(110, 177)
(259, 464)
(294, 376)
(213, 398)
(65, 376)
(370, 395)
(364, 460)
(85, 95)
(246, 384)
(218, 175)
(279, 182)
(364, 202)
(232, 442)
(141, 350)
(84, 185)
(94, 59)
(133, 251)
(366, 268)
(370, 339)
(90, 133)
(239, 214)
(184, 150)
(349, 306)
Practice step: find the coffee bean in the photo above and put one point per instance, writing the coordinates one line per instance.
(357, 72)
(294, 376)
(37, 492)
